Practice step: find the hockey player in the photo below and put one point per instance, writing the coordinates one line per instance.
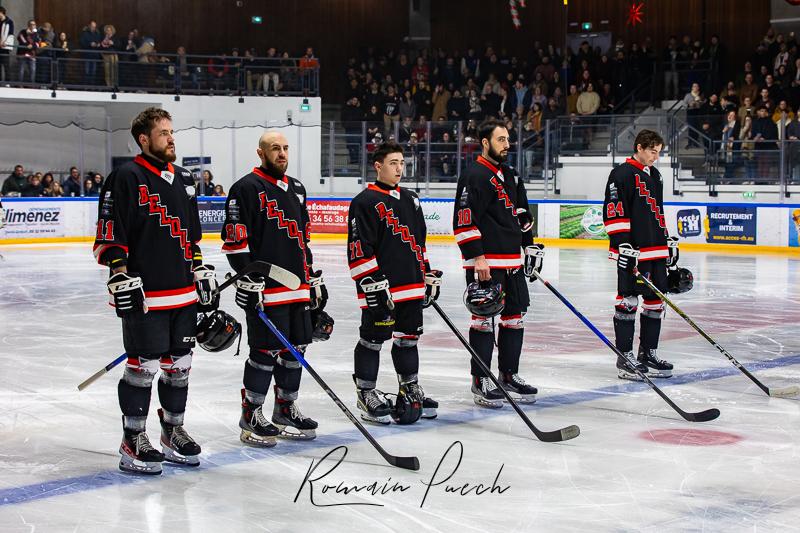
(148, 228)
(266, 219)
(394, 281)
(634, 220)
(492, 223)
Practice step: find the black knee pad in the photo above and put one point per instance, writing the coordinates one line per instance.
(172, 398)
(483, 344)
(406, 361)
(650, 331)
(133, 401)
(509, 348)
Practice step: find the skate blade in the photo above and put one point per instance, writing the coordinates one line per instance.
(293, 433)
(174, 457)
(632, 376)
(521, 398)
(480, 401)
(429, 413)
(662, 374)
(251, 439)
(378, 420)
(134, 466)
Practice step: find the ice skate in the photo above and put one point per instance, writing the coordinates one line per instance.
(177, 445)
(291, 422)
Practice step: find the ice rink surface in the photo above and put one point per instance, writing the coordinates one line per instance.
(637, 466)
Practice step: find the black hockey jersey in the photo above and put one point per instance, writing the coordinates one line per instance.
(266, 220)
(633, 210)
(484, 216)
(148, 216)
(386, 234)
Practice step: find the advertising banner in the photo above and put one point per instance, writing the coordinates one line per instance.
(794, 227)
(328, 216)
(30, 220)
(212, 215)
(581, 222)
(731, 224)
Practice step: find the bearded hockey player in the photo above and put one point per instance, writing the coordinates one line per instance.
(394, 281)
(148, 228)
(266, 220)
(492, 224)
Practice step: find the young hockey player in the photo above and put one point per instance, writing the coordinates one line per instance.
(394, 281)
(634, 219)
(148, 228)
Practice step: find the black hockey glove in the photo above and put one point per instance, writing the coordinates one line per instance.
(127, 290)
(433, 282)
(205, 283)
(525, 219)
(628, 258)
(674, 253)
(534, 257)
(377, 294)
(319, 293)
(249, 291)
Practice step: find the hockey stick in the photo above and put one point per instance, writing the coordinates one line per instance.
(702, 416)
(409, 463)
(782, 392)
(567, 433)
(94, 377)
(281, 275)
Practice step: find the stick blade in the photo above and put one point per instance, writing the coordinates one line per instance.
(559, 435)
(702, 416)
(409, 463)
(284, 277)
(785, 392)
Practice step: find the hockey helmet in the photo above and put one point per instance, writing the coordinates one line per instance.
(485, 299)
(679, 280)
(406, 409)
(323, 325)
(217, 330)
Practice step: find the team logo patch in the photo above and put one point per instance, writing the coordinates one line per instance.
(190, 192)
(168, 176)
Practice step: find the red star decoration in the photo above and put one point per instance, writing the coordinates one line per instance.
(636, 14)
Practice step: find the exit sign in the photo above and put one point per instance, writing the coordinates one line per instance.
(256, 19)
(586, 26)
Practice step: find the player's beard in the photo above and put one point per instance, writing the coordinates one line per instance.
(496, 156)
(273, 169)
(164, 155)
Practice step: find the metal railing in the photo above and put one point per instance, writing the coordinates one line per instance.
(166, 73)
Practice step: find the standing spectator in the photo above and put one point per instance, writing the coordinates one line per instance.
(59, 53)
(745, 136)
(406, 129)
(716, 55)
(408, 108)
(15, 182)
(109, 48)
(27, 46)
(270, 65)
(694, 101)
(457, 107)
(352, 115)
(308, 66)
(746, 109)
(793, 136)
(546, 69)
(572, 100)
(475, 112)
(520, 97)
(440, 98)
(713, 112)
(670, 59)
(374, 119)
(219, 71)
(44, 54)
(7, 40)
(391, 110)
(420, 72)
(764, 133)
(90, 45)
(207, 187)
(588, 102)
(748, 89)
(775, 91)
(72, 185)
(538, 97)
(730, 136)
(780, 109)
(470, 64)
(423, 97)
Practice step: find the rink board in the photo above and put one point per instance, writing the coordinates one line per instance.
(741, 226)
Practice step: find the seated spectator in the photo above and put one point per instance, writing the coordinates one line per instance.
(72, 185)
(588, 101)
(50, 187)
(98, 181)
(88, 188)
(474, 106)
(374, 119)
(406, 129)
(218, 191)
(783, 107)
(34, 186)
(538, 96)
(15, 182)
